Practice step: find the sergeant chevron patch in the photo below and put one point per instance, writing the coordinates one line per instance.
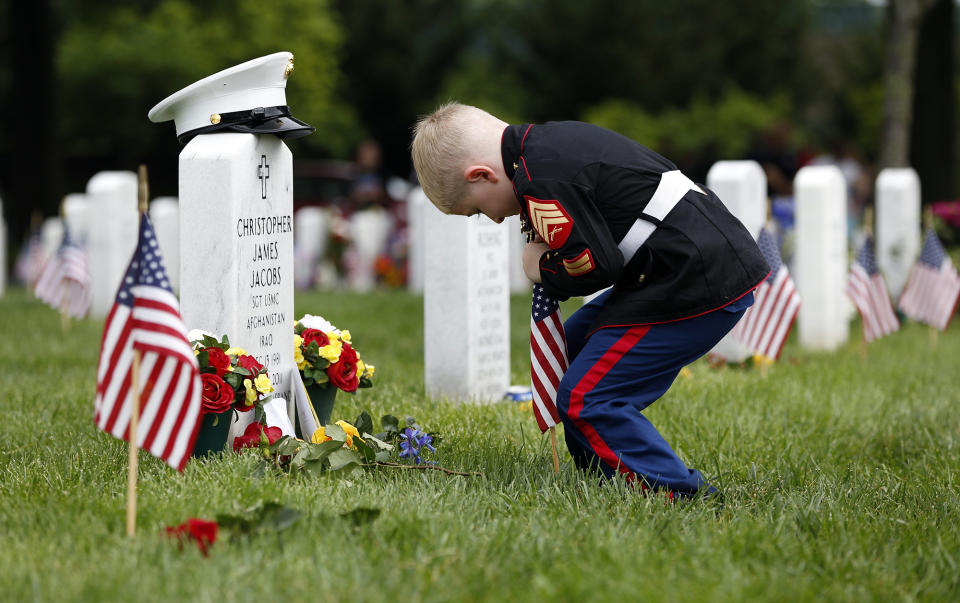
(550, 220)
(579, 265)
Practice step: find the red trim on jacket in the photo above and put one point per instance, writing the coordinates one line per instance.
(588, 382)
(524, 162)
(525, 132)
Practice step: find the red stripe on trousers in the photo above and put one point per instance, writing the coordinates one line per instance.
(589, 381)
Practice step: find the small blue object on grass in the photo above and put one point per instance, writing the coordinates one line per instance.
(519, 393)
(413, 442)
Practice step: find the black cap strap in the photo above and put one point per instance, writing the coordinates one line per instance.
(254, 116)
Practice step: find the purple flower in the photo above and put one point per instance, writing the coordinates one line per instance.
(413, 442)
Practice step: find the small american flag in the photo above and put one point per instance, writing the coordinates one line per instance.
(145, 317)
(868, 291)
(931, 293)
(65, 281)
(766, 324)
(548, 357)
(30, 262)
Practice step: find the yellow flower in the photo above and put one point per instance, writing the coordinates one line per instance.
(370, 369)
(350, 430)
(361, 368)
(263, 384)
(320, 436)
(345, 335)
(297, 342)
(331, 352)
(251, 393)
(298, 358)
(236, 352)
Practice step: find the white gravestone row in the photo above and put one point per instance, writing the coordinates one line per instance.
(310, 226)
(742, 186)
(820, 263)
(466, 307)
(898, 225)
(165, 216)
(236, 233)
(113, 204)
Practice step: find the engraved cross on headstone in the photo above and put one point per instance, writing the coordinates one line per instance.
(263, 172)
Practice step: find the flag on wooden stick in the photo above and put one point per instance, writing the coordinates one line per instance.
(65, 281)
(766, 324)
(145, 317)
(548, 357)
(868, 291)
(933, 288)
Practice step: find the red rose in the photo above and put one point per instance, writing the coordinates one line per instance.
(217, 396)
(343, 374)
(202, 531)
(251, 436)
(250, 363)
(314, 335)
(218, 359)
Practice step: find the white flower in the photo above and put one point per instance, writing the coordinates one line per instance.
(318, 322)
(198, 335)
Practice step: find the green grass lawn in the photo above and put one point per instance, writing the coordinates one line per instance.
(841, 478)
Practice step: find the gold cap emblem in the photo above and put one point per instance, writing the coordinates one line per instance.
(215, 118)
(288, 69)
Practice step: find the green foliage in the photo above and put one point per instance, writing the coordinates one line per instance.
(117, 64)
(723, 128)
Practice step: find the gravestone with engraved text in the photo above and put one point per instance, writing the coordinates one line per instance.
(236, 262)
(466, 307)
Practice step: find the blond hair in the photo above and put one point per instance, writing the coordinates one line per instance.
(444, 142)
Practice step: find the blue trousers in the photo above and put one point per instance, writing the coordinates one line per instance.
(614, 374)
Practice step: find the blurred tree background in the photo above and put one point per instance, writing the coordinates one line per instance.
(697, 80)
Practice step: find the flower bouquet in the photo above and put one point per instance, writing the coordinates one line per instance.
(232, 381)
(328, 363)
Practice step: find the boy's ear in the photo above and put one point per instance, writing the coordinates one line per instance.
(479, 173)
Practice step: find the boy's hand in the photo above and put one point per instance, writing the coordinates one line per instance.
(531, 258)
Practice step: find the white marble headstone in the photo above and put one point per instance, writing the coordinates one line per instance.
(165, 215)
(417, 203)
(466, 307)
(369, 230)
(110, 244)
(742, 186)
(898, 225)
(76, 212)
(820, 262)
(236, 247)
(310, 226)
(519, 283)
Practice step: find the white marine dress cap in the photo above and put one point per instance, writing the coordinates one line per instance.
(250, 97)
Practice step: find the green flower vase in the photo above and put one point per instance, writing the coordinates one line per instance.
(322, 399)
(212, 437)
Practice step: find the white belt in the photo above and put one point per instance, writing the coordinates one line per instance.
(673, 186)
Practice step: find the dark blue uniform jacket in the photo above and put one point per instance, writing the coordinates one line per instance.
(615, 213)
